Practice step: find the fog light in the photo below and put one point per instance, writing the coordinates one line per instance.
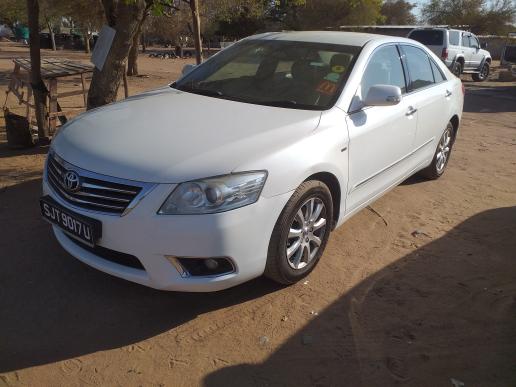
(202, 267)
(211, 263)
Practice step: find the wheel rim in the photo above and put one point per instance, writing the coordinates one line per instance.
(306, 233)
(485, 71)
(443, 151)
(457, 71)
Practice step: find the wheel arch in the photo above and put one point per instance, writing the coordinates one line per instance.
(455, 122)
(333, 184)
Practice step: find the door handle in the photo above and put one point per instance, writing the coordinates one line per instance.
(411, 111)
(448, 94)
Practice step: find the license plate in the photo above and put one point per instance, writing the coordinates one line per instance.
(85, 229)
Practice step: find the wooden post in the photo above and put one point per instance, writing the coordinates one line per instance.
(84, 97)
(29, 97)
(52, 107)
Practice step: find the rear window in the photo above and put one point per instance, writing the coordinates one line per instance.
(428, 37)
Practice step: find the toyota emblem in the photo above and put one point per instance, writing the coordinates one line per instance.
(71, 181)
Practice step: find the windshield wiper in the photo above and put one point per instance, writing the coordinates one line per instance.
(206, 92)
(287, 104)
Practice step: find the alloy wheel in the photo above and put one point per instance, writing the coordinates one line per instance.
(443, 151)
(306, 233)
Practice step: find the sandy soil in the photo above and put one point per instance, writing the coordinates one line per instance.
(418, 292)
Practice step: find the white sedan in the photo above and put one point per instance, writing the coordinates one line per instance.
(245, 165)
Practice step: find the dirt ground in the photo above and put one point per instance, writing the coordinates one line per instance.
(418, 290)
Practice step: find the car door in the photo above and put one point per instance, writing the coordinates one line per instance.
(381, 137)
(430, 93)
(476, 54)
(468, 52)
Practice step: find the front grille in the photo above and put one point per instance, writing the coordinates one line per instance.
(96, 192)
(111, 255)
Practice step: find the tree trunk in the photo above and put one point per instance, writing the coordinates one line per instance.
(132, 59)
(144, 45)
(124, 17)
(52, 36)
(86, 33)
(38, 87)
(194, 7)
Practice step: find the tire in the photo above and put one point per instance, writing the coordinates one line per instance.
(457, 69)
(281, 267)
(436, 169)
(483, 74)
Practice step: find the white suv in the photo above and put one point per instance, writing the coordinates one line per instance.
(461, 51)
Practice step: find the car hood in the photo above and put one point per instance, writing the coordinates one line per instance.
(170, 136)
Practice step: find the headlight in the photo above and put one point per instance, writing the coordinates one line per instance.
(216, 194)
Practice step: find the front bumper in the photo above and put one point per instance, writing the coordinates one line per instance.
(243, 235)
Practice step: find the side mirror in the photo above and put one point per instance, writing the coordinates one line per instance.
(483, 45)
(187, 68)
(383, 95)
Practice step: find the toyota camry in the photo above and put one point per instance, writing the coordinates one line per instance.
(245, 165)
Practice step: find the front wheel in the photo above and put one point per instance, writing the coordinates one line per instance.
(483, 74)
(457, 69)
(300, 234)
(441, 155)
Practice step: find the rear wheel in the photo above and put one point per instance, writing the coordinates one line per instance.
(441, 156)
(301, 233)
(483, 74)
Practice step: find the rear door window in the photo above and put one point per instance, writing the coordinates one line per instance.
(428, 37)
(420, 71)
(454, 37)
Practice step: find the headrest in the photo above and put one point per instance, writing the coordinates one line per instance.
(302, 70)
(340, 60)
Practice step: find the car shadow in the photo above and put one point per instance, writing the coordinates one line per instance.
(489, 99)
(445, 311)
(55, 308)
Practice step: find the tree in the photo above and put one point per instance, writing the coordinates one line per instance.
(87, 15)
(132, 60)
(237, 19)
(398, 12)
(480, 16)
(13, 11)
(123, 16)
(324, 14)
(38, 87)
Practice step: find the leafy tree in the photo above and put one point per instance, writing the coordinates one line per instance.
(398, 12)
(12, 11)
(482, 17)
(323, 14)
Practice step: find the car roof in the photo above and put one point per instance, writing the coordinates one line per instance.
(331, 37)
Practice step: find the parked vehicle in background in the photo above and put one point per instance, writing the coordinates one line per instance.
(245, 165)
(508, 58)
(461, 51)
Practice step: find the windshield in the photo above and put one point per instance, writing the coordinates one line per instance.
(297, 75)
(428, 37)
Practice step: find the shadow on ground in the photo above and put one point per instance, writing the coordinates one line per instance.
(479, 99)
(445, 311)
(55, 308)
